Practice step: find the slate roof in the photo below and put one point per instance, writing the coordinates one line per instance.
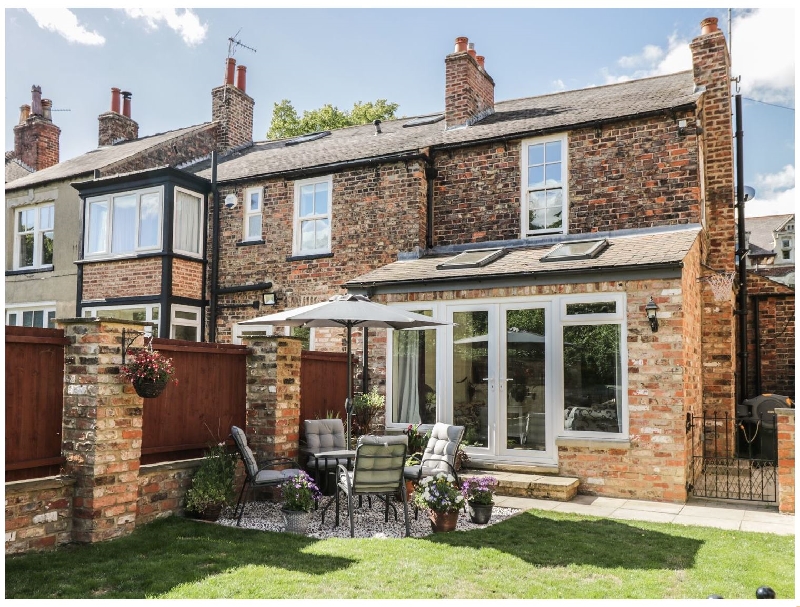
(15, 168)
(762, 238)
(518, 117)
(99, 158)
(629, 251)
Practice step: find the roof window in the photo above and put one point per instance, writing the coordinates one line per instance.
(308, 137)
(471, 259)
(586, 249)
(423, 120)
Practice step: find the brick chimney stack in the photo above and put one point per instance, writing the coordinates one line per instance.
(115, 126)
(469, 90)
(232, 109)
(36, 138)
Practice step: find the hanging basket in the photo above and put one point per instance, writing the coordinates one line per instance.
(149, 388)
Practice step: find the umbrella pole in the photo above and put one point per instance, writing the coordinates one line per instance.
(348, 405)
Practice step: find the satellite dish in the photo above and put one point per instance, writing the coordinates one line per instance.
(749, 193)
(230, 201)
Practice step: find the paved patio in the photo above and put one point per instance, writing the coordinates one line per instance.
(740, 516)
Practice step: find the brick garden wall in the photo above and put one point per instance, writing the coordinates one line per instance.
(38, 514)
(786, 459)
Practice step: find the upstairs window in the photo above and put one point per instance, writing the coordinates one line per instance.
(33, 237)
(544, 185)
(312, 216)
(188, 222)
(252, 214)
(123, 223)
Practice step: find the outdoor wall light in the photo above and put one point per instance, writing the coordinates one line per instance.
(651, 309)
(681, 127)
(269, 299)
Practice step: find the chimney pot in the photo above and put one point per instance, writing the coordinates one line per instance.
(708, 26)
(24, 112)
(230, 64)
(36, 100)
(461, 44)
(471, 50)
(126, 104)
(115, 99)
(241, 78)
(47, 104)
(480, 59)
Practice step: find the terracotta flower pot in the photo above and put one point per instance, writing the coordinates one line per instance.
(443, 521)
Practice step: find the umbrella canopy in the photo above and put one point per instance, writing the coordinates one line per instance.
(346, 311)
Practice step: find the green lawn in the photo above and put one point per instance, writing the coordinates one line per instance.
(536, 554)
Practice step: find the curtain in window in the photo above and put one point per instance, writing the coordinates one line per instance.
(98, 213)
(406, 377)
(123, 224)
(187, 223)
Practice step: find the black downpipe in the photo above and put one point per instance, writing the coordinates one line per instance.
(430, 175)
(364, 363)
(757, 335)
(212, 320)
(741, 252)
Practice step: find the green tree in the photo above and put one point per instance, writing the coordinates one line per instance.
(286, 123)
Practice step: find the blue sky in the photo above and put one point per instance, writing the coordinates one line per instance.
(170, 59)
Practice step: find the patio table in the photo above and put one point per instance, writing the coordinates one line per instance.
(348, 454)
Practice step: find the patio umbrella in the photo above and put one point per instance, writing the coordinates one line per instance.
(346, 311)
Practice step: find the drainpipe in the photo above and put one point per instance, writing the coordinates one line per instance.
(430, 175)
(364, 364)
(757, 333)
(212, 321)
(741, 251)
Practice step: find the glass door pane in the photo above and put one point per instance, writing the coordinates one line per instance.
(525, 380)
(470, 376)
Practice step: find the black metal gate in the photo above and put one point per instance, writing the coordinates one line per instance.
(734, 458)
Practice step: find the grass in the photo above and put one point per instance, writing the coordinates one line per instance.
(536, 554)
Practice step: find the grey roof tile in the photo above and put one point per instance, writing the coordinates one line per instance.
(628, 251)
(762, 241)
(99, 158)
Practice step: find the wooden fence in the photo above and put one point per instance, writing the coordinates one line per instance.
(323, 384)
(208, 398)
(34, 402)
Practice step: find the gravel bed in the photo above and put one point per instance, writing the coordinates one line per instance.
(266, 516)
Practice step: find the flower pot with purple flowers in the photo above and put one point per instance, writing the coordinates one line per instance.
(479, 493)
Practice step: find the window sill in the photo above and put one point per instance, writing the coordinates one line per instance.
(307, 257)
(594, 442)
(30, 271)
(248, 243)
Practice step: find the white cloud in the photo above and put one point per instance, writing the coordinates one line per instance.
(649, 55)
(558, 85)
(186, 23)
(763, 54)
(64, 22)
(653, 61)
(774, 194)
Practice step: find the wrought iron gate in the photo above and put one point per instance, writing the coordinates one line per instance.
(734, 458)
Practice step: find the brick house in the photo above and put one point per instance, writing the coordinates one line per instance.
(55, 260)
(770, 244)
(567, 237)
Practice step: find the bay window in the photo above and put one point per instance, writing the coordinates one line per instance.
(124, 223)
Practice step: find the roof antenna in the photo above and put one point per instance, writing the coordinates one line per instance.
(233, 43)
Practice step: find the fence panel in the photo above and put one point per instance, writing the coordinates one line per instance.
(34, 402)
(208, 398)
(323, 384)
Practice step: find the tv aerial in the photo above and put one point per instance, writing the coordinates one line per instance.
(234, 43)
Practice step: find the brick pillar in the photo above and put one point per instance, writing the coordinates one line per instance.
(785, 428)
(273, 396)
(102, 438)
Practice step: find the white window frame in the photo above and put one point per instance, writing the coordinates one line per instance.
(525, 190)
(37, 232)
(47, 308)
(184, 322)
(297, 240)
(248, 213)
(109, 199)
(97, 310)
(200, 218)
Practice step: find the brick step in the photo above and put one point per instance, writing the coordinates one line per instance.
(520, 484)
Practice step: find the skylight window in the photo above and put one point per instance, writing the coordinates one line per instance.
(471, 259)
(576, 250)
(424, 120)
(308, 137)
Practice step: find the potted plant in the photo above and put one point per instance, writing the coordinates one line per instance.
(148, 371)
(416, 445)
(212, 484)
(365, 407)
(300, 493)
(439, 494)
(479, 493)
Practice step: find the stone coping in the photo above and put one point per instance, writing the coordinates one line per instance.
(179, 464)
(38, 484)
(594, 442)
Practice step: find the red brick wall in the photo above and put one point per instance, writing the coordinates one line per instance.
(162, 489)
(775, 335)
(786, 459)
(232, 111)
(36, 142)
(376, 213)
(38, 514)
(469, 90)
(187, 278)
(122, 278)
(114, 127)
(172, 152)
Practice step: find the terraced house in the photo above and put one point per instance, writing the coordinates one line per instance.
(568, 238)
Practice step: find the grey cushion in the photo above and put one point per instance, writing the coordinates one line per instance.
(247, 454)
(379, 463)
(324, 435)
(440, 452)
(274, 477)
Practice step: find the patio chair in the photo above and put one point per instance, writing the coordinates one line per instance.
(259, 474)
(378, 470)
(439, 455)
(324, 435)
